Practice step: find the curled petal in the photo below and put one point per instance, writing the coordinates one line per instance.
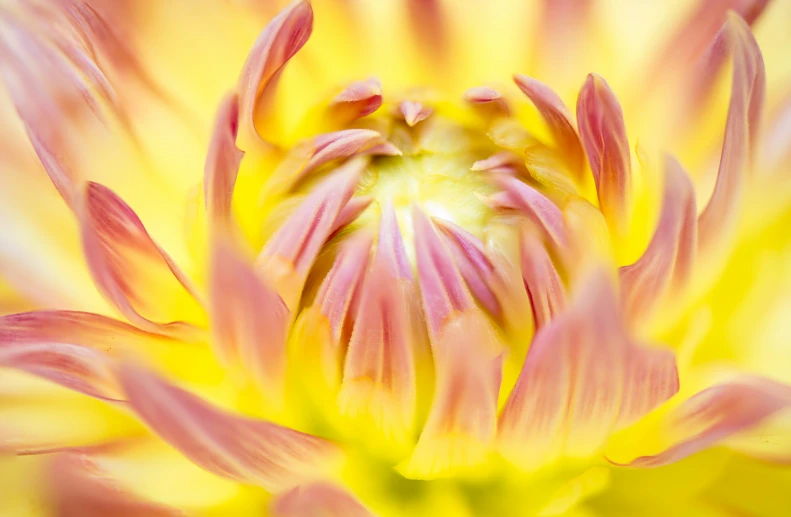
(285, 35)
(504, 162)
(379, 373)
(129, 268)
(544, 287)
(289, 255)
(358, 100)
(485, 96)
(716, 414)
(414, 112)
(747, 96)
(80, 489)
(318, 499)
(603, 136)
(547, 217)
(474, 265)
(222, 162)
(669, 257)
(237, 448)
(462, 422)
(572, 392)
(441, 285)
(557, 118)
(249, 320)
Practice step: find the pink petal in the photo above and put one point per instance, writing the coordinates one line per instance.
(358, 100)
(339, 145)
(473, 263)
(222, 162)
(504, 162)
(234, 447)
(249, 320)
(717, 413)
(428, 21)
(572, 392)
(545, 289)
(379, 373)
(288, 256)
(487, 97)
(669, 258)
(285, 35)
(603, 135)
(747, 96)
(547, 217)
(462, 422)
(127, 265)
(79, 489)
(441, 285)
(414, 112)
(557, 118)
(350, 212)
(317, 499)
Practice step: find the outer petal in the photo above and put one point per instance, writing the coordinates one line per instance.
(603, 136)
(242, 449)
(130, 269)
(277, 44)
(222, 163)
(747, 95)
(558, 119)
(318, 499)
(718, 413)
(573, 388)
(79, 489)
(289, 255)
(544, 287)
(249, 321)
(668, 260)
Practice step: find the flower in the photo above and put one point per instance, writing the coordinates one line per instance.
(397, 289)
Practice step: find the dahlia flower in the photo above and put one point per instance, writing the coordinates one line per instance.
(386, 258)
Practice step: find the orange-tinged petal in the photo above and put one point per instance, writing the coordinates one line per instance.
(285, 35)
(222, 162)
(357, 100)
(572, 393)
(288, 256)
(414, 112)
(238, 448)
(428, 22)
(718, 413)
(668, 260)
(318, 499)
(558, 119)
(379, 372)
(544, 288)
(249, 321)
(80, 489)
(130, 269)
(603, 135)
(717, 220)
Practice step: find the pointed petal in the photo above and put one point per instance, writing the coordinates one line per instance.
(484, 96)
(571, 393)
(288, 256)
(441, 285)
(414, 112)
(504, 162)
(669, 257)
(318, 499)
(379, 373)
(747, 96)
(350, 212)
(241, 449)
(249, 321)
(462, 422)
(358, 100)
(603, 135)
(544, 287)
(473, 263)
(129, 268)
(559, 120)
(222, 162)
(285, 35)
(339, 145)
(716, 414)
(541, 211)
(80, 489)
